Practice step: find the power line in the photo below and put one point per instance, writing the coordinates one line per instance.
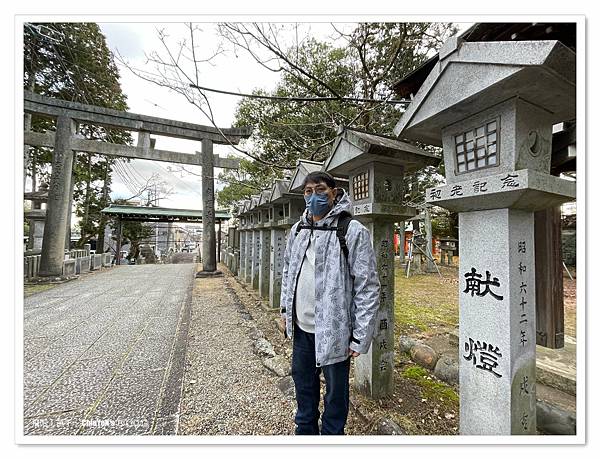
(303, 99)
(279, 98)
(180, 180)
(131, 172)
(126, 181)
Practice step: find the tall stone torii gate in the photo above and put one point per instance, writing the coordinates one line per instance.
(65, 141)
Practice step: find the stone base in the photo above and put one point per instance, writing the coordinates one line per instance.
(216, 273)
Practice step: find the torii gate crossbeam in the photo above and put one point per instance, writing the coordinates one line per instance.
(64, 141)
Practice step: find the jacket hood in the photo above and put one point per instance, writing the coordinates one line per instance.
(341, 203)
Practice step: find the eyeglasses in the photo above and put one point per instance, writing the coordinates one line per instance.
(319, 189)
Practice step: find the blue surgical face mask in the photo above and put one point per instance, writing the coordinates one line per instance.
(317, 204)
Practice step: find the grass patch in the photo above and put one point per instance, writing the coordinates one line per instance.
(425, 302)
(432, 390)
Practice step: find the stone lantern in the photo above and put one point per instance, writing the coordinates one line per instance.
(492, 106)
(254, 243)
(279, 199)
(264, 242)
(37, 218)
(244, 234)
(376, 166)
(447, 250)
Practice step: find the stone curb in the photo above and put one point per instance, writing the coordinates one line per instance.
(263, 348)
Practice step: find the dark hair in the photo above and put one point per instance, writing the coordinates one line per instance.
(318, 177)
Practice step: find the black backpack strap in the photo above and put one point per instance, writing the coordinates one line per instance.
(300, 226)
(342, 228)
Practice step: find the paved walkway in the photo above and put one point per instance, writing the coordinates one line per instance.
(104, 354)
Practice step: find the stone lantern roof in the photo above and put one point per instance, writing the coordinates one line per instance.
(279, 192)
(472, 76)
(264, 199)
(303, 168)
(40, 195)
(253, 201)
(354, 148)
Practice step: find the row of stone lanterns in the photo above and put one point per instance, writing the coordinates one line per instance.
(491, 106)
(373, 168)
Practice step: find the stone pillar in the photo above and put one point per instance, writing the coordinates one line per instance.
(255, 259)
(235, 252)
(219, 236)
(243, 253)
(263, 262)
(429, 239)
(209, 242)
(36, 233)
(442, 257)
(416, 266)
(497, 322)
(401, 242)
(53, 247)
(374, 370)
(119, 240)
(249, 255)
(26, 159)
(228, 260)
(277, 247)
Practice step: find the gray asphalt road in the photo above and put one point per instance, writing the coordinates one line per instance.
(103, 355)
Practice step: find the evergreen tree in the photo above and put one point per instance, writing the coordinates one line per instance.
(374, 56)
(71, 61)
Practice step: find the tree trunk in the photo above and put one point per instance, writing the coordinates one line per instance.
(87, 190)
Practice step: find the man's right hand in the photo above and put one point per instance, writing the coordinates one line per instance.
(283, 325)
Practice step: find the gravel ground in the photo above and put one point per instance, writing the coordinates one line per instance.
(227, 390)
(265, 319)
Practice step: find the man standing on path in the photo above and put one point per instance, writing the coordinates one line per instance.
(329, 297)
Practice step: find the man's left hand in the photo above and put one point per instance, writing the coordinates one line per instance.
(353, 353)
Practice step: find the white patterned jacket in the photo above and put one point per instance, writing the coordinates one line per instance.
(346, 292)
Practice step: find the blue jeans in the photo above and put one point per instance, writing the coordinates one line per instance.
(306, 380)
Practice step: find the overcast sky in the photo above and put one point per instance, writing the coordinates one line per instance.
(235, 72)
(132, 41)
(230, 71)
